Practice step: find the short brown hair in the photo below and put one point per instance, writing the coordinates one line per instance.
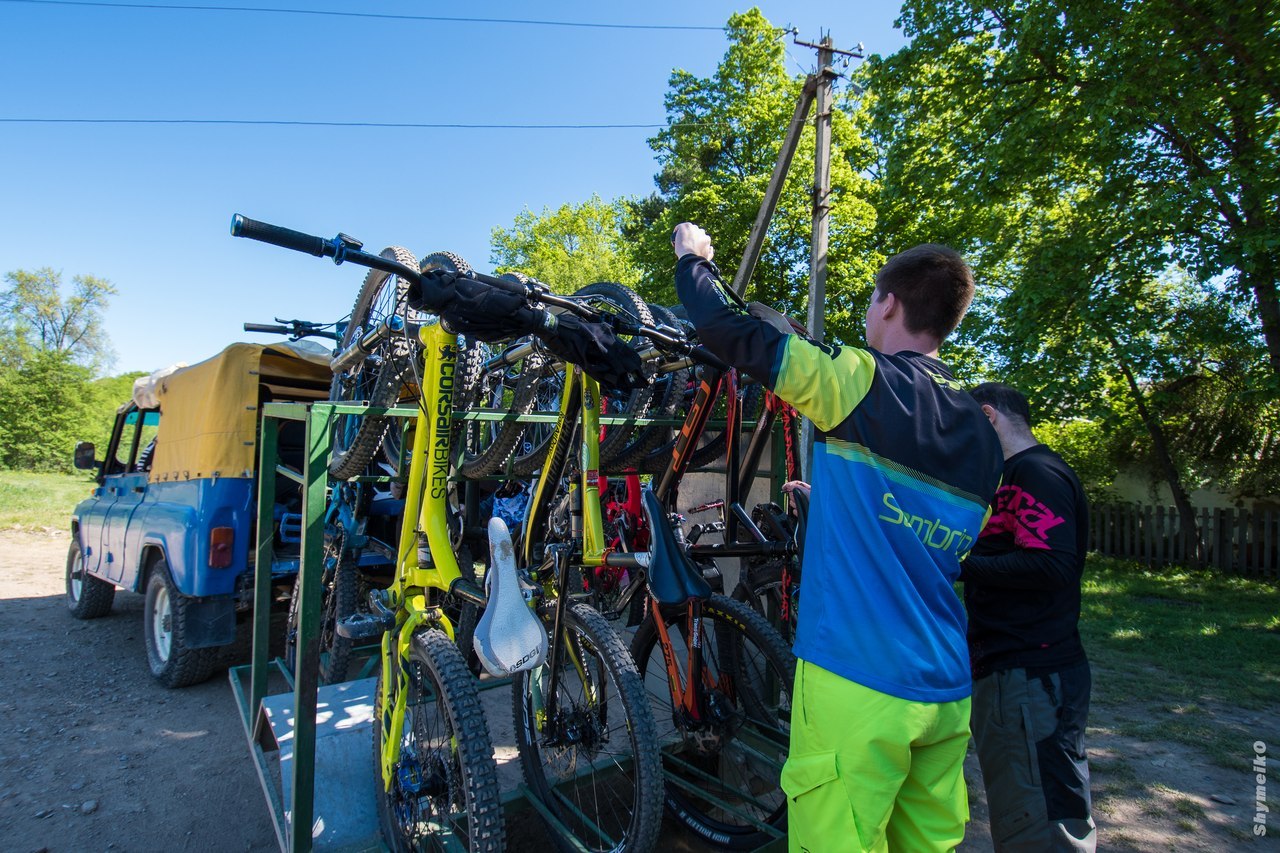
(1006, 399)
(934, 285)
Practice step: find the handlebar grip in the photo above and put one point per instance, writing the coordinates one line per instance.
(243, 226)
(271, 330)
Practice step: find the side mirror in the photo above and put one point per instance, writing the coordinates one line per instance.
(84, 456)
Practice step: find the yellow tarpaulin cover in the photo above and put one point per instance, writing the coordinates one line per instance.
(209, 411)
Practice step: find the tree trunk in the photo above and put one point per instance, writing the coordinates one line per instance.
(1261, 279)
(1186, 513)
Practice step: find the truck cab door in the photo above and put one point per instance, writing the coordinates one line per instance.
(130, 488)
(93, 521)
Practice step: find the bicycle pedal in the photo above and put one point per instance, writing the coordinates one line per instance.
(365, 626)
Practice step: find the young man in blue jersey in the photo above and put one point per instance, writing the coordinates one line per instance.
(904, 467)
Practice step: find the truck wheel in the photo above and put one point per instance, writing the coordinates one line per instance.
(87, 597)
(172, 662)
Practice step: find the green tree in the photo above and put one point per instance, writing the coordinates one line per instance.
(1161, 114)
(43, 409)
(716, 155)
(567, 248)
(36, 314)
(1121, 213)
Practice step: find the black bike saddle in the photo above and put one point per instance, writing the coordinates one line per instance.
(673, 578)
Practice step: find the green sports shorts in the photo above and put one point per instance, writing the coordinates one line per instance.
(872, 772)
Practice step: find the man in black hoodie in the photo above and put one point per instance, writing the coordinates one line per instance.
(1031, 679)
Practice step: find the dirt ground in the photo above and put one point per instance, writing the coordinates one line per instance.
(94, 755)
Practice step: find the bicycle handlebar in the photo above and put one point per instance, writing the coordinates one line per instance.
(266, 329)
(343, 248)
(243, 226)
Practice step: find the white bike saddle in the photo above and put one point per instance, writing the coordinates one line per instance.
(509, 637)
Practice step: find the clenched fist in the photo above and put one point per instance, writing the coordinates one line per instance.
(689, 239)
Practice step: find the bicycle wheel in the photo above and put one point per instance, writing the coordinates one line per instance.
(544, 385)
(724, 771)
(668, 396)
(338, 601)
(445, 778)
(379, 378)
(772, 594)
(549, 382)
(485, 447)
(593, 762)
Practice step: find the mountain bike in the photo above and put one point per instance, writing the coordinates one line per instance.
(717, 674)
(585, 713)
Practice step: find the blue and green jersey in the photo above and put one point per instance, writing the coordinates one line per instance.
(904, 467)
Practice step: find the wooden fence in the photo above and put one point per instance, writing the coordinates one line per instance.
(1240, 541)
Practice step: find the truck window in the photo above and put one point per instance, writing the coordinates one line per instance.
(147, 441)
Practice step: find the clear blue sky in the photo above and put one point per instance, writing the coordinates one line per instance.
(148, 206)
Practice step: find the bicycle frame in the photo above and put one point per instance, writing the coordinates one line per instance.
(425, 512)
(579, 408)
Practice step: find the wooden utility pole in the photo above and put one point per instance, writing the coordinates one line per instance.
(817, 87)
(821, 192)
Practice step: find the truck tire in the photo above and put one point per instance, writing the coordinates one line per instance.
(164, 628)
(87, 597)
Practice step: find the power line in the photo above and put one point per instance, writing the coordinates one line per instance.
(383, 124)
(436, 18)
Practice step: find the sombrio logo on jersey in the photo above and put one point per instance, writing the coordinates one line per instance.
(931, 531)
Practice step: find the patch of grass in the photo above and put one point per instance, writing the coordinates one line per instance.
(1182, 636)
(1117, 770)
(1188, 807)
(30, 501)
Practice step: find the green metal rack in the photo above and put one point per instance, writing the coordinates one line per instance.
(249, 682)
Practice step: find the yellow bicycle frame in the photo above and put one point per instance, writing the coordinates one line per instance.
(581, 394)
(425, 512)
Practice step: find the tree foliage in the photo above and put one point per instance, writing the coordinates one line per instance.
(36, 314)
(567, 248)
(716, 155)
(1111, 170)
(1136, 133)
(50, 345)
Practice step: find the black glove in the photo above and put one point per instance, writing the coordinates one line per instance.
(596, 349)
(435, 293)
(472, 308)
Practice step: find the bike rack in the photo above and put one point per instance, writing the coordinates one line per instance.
(292, 801)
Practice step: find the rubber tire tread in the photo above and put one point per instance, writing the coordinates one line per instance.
(651, 436)
(186, 666)
(96, 595)
(775, 651)
(457, 692)
(371, 430)
(767, 581)
(617, 438)
(495, 457)
(333, 669)
(647, 820)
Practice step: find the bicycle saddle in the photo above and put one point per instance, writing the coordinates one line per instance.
(509, 637)
(673, 578)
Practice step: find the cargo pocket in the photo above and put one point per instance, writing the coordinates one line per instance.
(819, 814)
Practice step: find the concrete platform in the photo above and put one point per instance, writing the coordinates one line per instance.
(346, 817)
